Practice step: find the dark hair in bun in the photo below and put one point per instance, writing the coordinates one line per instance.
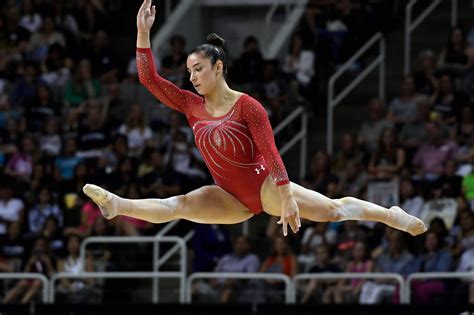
(214, 49)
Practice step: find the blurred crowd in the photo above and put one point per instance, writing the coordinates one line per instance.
(71, 113)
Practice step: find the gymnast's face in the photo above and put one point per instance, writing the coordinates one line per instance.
(202, 73)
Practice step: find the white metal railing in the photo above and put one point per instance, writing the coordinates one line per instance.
(30, 275)
(433, 275)
(276, 40)
(354, 275)
(300, 136)
(156, 263)
(115, 275)
(173, 18)
(289, 289)
(334, 100)
(410, 26)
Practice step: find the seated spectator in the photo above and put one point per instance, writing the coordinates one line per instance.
(434, 259)
(139, 135)
(315, 288)
(413, 134)
(320, 175)
(226, 290)
(94, 134)
(425, 80)
(249, 65)
(446, 102)
(45, 36)
(299, 65)
(395, 259)
(68, 160)
(354, 180)
(38, 262)
(174, 64)
(210, 242)
(75, 290)
(314, 236)
(430, 158)
(11, 208)
(13, 248)
(160, 181)
(100, 253)
(348, 152)
(82, 86)
(349, 290)
(20, 165)
(454, 55)
(389, 157)
(403, 109)
(53, 234)
(410, 200)
(467, 78)
(371, 130)
(50, 140)
(281, 260)
(44, 207)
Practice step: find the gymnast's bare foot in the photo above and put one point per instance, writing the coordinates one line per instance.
(416, 226)
(102, 198)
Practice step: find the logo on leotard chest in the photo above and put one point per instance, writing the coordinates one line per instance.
(258, 170)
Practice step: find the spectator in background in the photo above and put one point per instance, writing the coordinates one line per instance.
(371, 130)
(160, 181)
(320, 173)
(75, 290)
(314, 236)
(389, 157)
(102, 59)
(30, 18)
(395, 259)
(41, 40)
(11, 209)
(468, 76)
(210, 243)
(446, 102)
(430, 158)
(139, 135)
(403, 109)
(409, 199)
(94, 134)
(281, 260)
(42, 209)
(413, 134)
(68, 160)
(349, 290)
(226, 290)
(434, 259)
(38, 262)
(82, 86)
(354, 179)
(20, 165)
(299, 65)
(454, 54)
(315, 289)
(24, 90)
(13, 247)
(425, 80)
(50, 140)
(348, 152)
(249, 66)
(174, 64)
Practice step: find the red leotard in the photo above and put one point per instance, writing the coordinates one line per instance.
(238, 147)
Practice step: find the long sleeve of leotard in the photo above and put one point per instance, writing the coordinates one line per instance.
(262, 134)
(164, 90)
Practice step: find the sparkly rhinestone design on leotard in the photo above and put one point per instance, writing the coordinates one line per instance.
(234, 146)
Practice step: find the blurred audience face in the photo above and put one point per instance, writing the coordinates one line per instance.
(431, 242)
(280, 246)
(322, 255)
(446, 84)
(241, 246)
(408, 86)
(396, 243)
(359, 252)
(376, 109)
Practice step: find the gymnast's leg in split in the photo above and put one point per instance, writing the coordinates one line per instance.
(317, 207)
(208, 204)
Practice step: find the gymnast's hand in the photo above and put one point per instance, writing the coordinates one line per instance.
(145, 17)
(290, 214)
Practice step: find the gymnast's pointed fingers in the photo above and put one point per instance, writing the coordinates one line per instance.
(285, 228)
(293, 224)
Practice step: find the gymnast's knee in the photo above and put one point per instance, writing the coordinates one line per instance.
(346, 208)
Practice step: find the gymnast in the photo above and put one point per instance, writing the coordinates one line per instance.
(233, 133)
